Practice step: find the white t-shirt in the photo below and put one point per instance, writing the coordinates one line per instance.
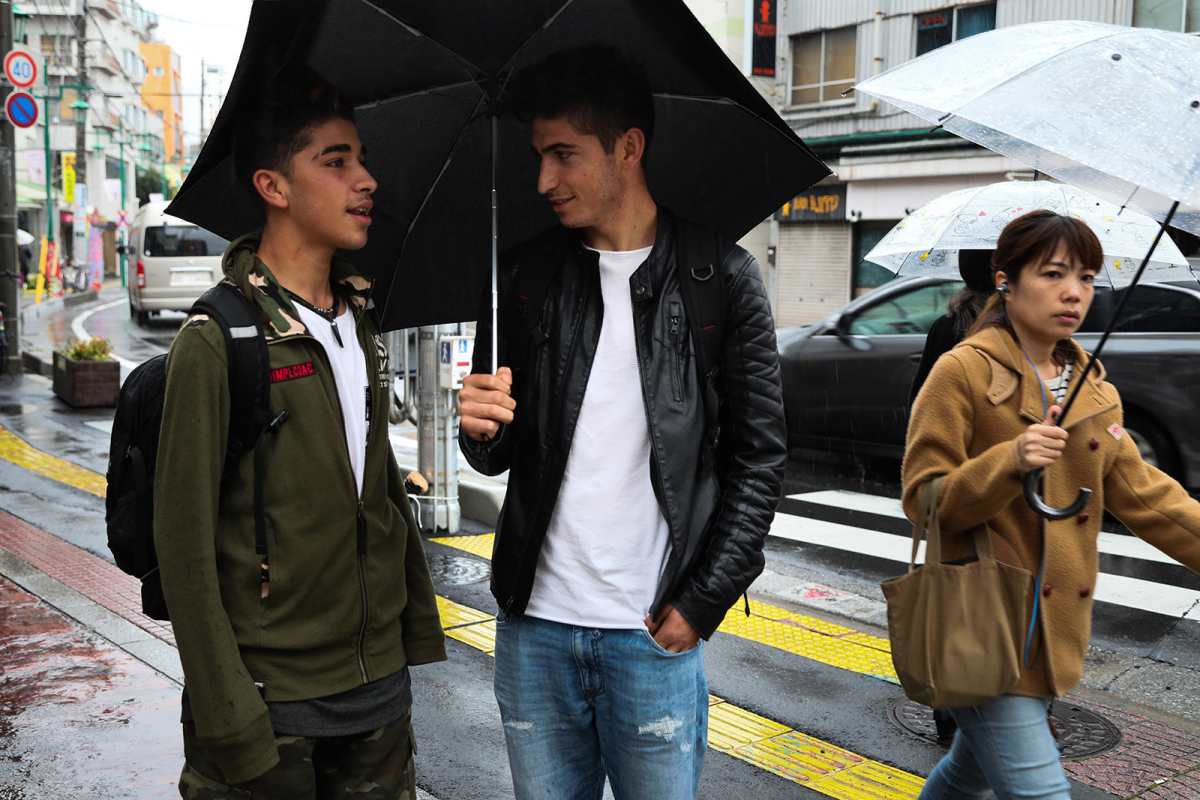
(349, 367)
(607, 542)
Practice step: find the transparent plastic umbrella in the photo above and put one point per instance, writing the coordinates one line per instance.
(1112, 110)
(1109, 109)
(927, 241)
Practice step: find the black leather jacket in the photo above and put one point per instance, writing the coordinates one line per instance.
(716, 531)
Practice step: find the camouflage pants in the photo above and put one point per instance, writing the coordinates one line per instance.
(377, 765)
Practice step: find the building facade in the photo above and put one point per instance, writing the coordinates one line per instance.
(162, 93)
(888, 162)
(120, 134)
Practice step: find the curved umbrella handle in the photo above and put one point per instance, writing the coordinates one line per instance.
(1049, 512)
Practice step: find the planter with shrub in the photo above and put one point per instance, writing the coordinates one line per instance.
(85, 375)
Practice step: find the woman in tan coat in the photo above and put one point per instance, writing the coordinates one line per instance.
(983, 420)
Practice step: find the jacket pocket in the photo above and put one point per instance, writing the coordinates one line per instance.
(675, 336)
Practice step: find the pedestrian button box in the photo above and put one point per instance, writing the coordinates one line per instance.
(454, 360)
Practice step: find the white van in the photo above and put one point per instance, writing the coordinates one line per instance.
(171, 262)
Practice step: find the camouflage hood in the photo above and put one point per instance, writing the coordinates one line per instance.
(243, 268)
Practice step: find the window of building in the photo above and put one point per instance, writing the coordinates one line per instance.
(938, 28)
(823, 66)
(868, 275)
(158, 72)
(1181, 16)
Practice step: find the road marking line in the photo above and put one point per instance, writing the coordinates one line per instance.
(1115, 544)
(1159, 598)
(761, 742)
(798, 634)
(81, 333)
(16, 450)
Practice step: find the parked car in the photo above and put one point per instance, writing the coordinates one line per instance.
(846, 379)
(171, 262)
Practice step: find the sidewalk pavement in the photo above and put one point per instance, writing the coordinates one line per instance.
(89, 687)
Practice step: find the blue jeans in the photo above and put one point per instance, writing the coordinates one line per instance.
(579, 703)
(1004, 744)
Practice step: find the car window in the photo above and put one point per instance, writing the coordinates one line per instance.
(1157, 309)
(186, 241)
(912, 312)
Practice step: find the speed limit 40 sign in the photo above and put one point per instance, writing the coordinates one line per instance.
(21, 69)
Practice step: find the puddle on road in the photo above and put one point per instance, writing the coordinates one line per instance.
(78, 717)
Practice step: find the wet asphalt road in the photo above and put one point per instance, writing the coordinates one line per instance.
(461, 743)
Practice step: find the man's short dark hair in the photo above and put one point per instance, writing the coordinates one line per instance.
(298, 101)
(600, 89)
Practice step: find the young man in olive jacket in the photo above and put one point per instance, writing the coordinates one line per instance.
(622, 543)
(295, 661)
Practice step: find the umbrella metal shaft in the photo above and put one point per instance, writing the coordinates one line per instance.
(495, 249)
(1112, 323)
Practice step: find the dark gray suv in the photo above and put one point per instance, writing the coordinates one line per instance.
(846, 379)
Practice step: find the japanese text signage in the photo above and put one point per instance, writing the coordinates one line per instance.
(762, 58)
(68, 177)
(826, 203)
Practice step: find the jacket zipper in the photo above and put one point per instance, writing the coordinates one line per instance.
(554, 422)
(655, 473)
(676, 378)
(360, 518)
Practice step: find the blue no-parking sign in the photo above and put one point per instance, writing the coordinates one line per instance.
(22, 109)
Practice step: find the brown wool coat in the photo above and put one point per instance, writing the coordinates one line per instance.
(978, 399)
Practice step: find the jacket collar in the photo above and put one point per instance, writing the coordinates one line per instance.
(649, 275)
(1011, 373)
(279, 317)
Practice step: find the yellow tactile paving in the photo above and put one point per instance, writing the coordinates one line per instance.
(766, 744)
(16, 450)
(476, 545)
(812, 638)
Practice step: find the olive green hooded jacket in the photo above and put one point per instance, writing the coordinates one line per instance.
(349, 599)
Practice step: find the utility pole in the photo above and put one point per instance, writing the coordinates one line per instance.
(203, 73)
(81, 119)
(9, 255)
(79, 240)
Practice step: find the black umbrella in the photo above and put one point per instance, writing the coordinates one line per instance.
(425, 79)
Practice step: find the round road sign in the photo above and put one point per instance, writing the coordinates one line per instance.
(21, 69)
(22, 109)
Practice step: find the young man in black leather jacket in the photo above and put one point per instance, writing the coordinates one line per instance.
(624, 539)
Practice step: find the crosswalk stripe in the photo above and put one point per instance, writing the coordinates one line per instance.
(1111, 543)
(764, 743)
(799, 634)
(1173, 601)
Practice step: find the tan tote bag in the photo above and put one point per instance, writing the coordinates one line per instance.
(956, 629)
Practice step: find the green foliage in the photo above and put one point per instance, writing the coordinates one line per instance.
(95, 349)
(149, 181)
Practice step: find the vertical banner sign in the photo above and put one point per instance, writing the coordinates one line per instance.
(40, 286)
(68, 177)
(762, 60)
(95, 259)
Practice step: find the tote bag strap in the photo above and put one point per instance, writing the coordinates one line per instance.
(928, 526)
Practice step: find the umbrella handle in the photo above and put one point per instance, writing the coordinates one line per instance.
(1049, 512)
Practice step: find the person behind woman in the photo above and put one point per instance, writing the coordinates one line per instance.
(972, 424)
(975, 267)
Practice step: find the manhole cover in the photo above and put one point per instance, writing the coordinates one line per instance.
(1081, 733)
(456, 570)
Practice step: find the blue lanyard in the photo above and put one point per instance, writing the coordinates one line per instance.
(1037, 587)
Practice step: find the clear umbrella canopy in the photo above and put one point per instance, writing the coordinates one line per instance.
(1110, 109)
(927, 241)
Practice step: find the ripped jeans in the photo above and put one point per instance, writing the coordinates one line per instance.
(580, 703)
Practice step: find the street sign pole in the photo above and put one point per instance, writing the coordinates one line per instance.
(9, 252)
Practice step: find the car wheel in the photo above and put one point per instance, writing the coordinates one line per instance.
(1153, 444)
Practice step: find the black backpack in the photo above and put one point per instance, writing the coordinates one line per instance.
(133, 449)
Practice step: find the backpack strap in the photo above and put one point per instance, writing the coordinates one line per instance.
(530, 285)
(703, 290)
(249, 391)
